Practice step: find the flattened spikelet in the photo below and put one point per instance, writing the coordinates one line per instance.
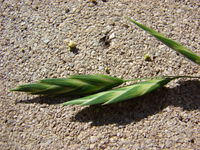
(122, 94)
(170, 43)
(74, 85)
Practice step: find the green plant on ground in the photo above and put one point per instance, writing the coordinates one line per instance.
(124, 93)
(102, 85)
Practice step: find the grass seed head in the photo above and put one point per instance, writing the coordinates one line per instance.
(121, 94)
(74, 85)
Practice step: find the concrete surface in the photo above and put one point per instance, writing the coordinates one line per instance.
(33, 46)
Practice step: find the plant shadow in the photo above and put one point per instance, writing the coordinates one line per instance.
(46, 100)
(186, 96)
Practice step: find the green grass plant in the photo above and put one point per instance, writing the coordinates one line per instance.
(102, 85)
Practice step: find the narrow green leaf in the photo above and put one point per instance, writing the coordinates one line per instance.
(170, 43)
(74, 85)
(122, 94)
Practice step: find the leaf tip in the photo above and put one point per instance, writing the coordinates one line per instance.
(14, 89)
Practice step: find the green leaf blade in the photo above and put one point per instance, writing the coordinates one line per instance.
(170, 43)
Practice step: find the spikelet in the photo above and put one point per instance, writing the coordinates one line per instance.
(125, 93)
(122, 94)
(170, 43)
(74, 85)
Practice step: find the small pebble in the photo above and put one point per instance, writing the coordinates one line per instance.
(46, 41)
(112, 36)
(93, 139)
(101, 68)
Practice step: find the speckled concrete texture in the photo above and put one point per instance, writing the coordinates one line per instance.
(33, 46)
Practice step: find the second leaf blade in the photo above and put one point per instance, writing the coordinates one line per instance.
(170, 43)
